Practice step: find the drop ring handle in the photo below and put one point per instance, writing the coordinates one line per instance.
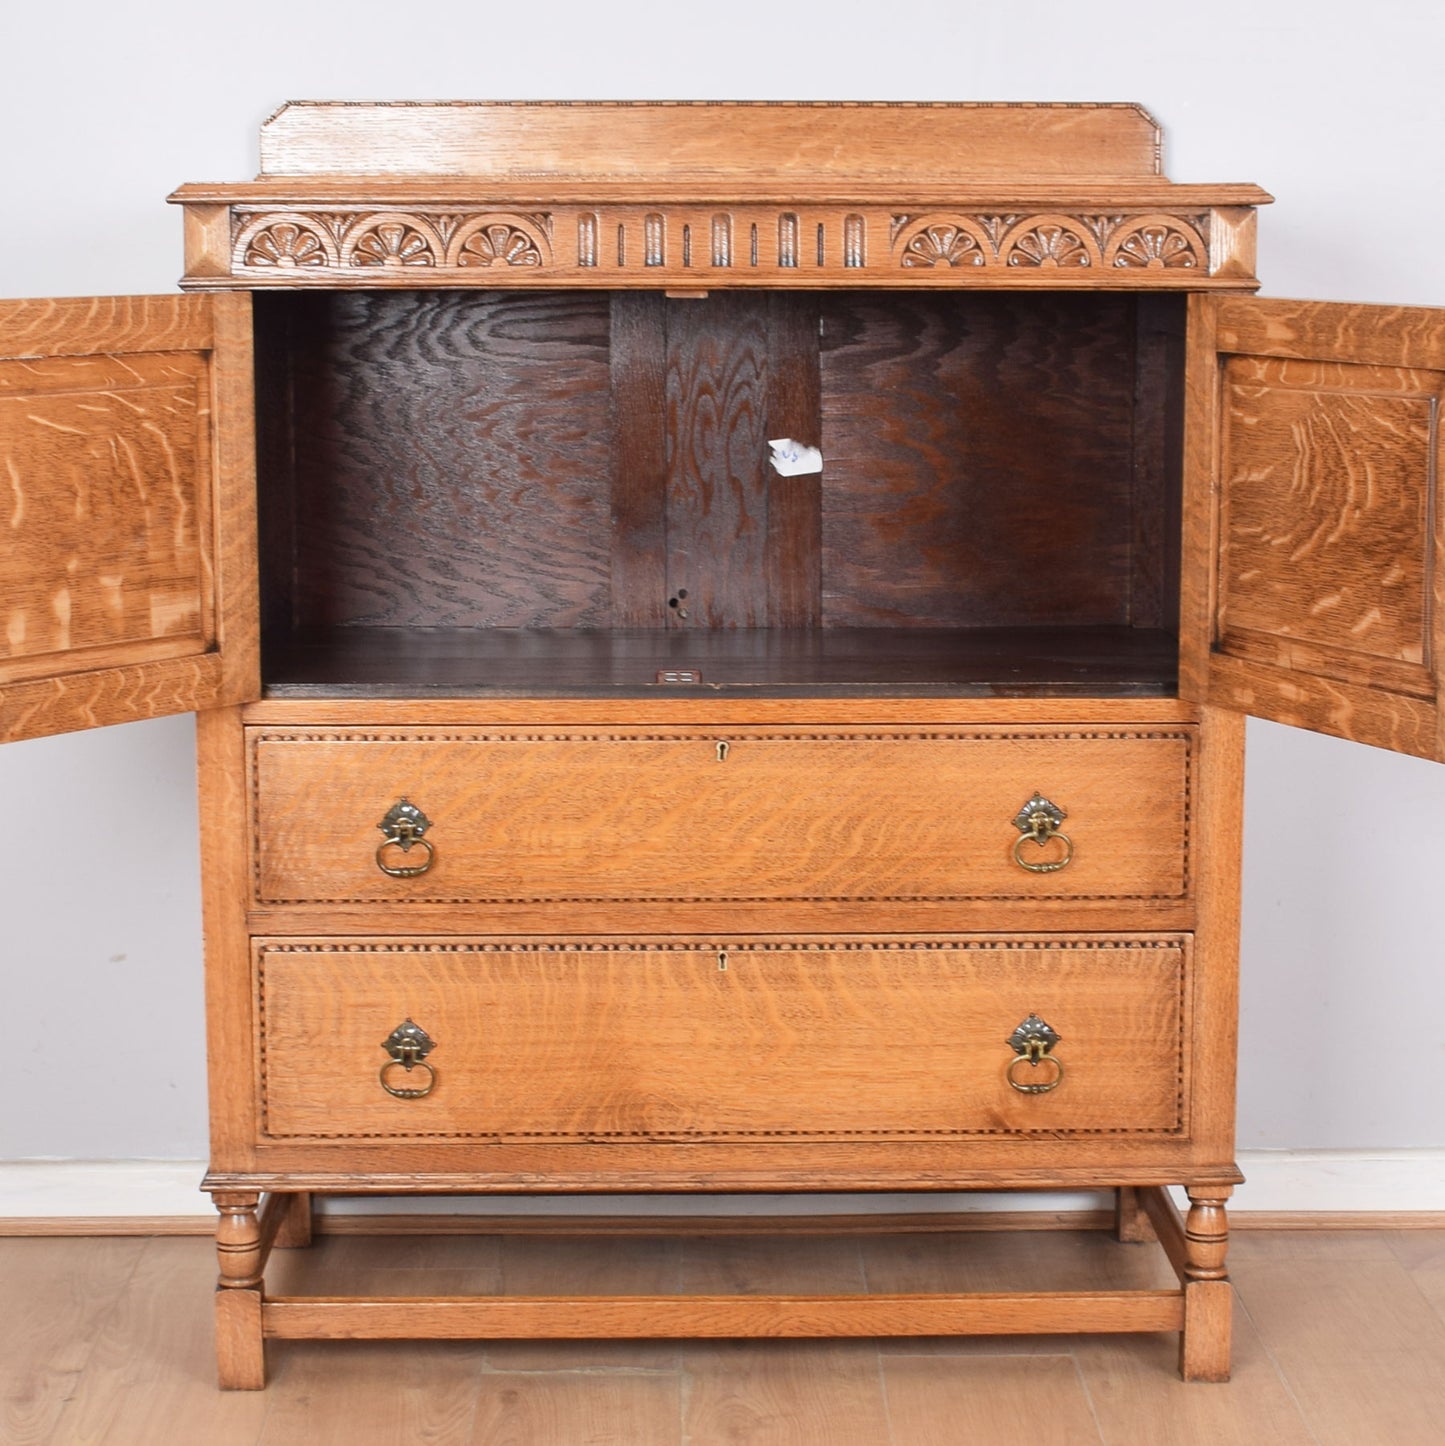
(1034, 1058)
(408, 1092)
(1038, 822)
(1032, 1043)
(404, 871)
(408, 1045)
(404, 827)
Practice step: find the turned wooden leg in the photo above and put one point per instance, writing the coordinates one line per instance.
(240, 1358)
(1131, 1223)
(295, 1228)
(1208, 1299)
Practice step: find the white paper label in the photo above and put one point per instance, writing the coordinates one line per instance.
(794, 459)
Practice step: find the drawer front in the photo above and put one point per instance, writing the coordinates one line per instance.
(753, 1042)
(692, 816)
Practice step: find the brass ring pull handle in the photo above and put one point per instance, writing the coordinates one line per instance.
(1043, 866)
(404, 827)
(1032, 1043)
(1038, 821)
(404, 871)
(408, 1092)
(408, 1045)
(1035, 1087)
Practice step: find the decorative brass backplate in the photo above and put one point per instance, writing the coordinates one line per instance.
(1033, 1036)
(409, 1043)
(404, 824)
(1039, 817)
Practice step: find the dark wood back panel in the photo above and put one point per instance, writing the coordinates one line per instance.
(450, 457)
(581, 460)
(979, 459)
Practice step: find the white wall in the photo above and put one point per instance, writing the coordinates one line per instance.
(1338, 110)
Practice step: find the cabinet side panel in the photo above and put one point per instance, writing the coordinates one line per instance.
(1218, 809)
(230, 1024)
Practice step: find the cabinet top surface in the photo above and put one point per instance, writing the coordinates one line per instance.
(607, 193)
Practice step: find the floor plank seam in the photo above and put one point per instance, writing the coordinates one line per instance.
(1089, 1400)
(882, 1377)
(1242, 1306)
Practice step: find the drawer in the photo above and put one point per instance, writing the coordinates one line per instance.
(763, 1042)
(522, 816)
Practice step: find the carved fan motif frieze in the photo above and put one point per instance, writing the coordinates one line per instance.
(1158, 243)
(395, 241)
(287, 242)
(944, 245)
(1050, 241)
(499, 245)
(388, 239)
(690, 240)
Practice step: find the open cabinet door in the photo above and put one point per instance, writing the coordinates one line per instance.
(127, 507)
(1312, 537)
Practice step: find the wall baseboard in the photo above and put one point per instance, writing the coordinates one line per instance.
(1286, 1189)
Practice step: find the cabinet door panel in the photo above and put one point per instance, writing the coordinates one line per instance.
(1312, 539)
(128, 480)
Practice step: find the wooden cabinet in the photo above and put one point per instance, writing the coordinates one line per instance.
(594, 801)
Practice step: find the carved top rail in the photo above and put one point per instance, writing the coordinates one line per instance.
(704, 195)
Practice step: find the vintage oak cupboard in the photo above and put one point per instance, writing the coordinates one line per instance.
(592, 799)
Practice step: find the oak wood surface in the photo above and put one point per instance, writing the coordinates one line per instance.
(570, 1317)
(124, 434)
(634, 814)
(793, 140)
(786, 1042)
(1314, 444)
(1086, 663)
(471, 424)
(961, 487)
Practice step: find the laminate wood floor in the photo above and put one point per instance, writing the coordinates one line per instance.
(1339, 1341)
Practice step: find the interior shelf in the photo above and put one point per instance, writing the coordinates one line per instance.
(783, 662)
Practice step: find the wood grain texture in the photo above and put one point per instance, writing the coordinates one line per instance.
(956, 457)
(644, 1317)
(1083, 663)
(795, 546)
(95, 326)
(1376, 1379)
(930, 1409)
(44, 1351)
(717, 475)
(639, 459)
(522, 1407)
(127, 471)
(576, 1042)
(450, 457)
(109, 1349)
(657, 140)
(800, 814)
(1313, 444)
(1325, 518)
(230, 1013)
(109, 502)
